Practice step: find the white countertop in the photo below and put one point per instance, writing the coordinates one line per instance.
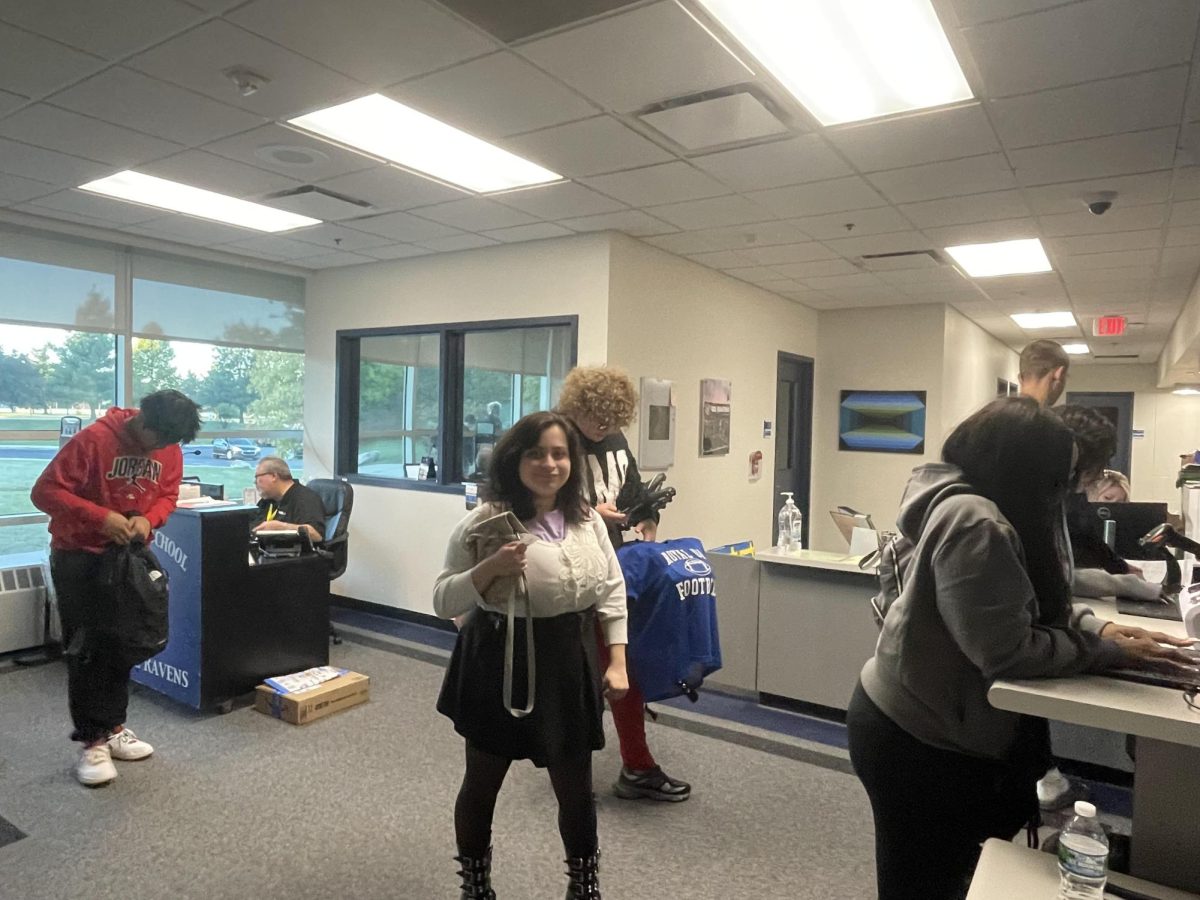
(1007, 871)
(814, 559)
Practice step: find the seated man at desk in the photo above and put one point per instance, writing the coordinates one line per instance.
(286, 503)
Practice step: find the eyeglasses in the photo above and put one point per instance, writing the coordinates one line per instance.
(258, 475)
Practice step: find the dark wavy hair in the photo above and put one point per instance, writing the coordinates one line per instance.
(504, 470)
(1019, 455)
(171, 415)
(1095, 437)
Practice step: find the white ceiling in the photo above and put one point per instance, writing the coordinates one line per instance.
(1073, 98)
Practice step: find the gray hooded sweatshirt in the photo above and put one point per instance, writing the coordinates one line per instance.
(966, 617)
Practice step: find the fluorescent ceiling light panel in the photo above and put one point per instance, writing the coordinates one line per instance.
(1045, 320)
(1021, 257)
(848, 60)
(1076, 349)
(182, 198)
(380, 126)
(1186, 391)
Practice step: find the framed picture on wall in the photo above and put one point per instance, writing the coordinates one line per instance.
(882, 421)
(715, 408)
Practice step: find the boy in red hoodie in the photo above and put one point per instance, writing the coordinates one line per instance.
(112, 483)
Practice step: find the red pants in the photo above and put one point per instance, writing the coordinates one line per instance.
(629, 717)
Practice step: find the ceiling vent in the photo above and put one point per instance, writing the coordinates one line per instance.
(903, 259)
(727, 116)
(1114, 356)
(319, 203)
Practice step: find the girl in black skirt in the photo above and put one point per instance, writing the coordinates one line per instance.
(535, 570)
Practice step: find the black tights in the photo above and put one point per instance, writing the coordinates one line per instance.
(476, 804)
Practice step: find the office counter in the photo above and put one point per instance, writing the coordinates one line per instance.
(1166, 788)
(233, 624)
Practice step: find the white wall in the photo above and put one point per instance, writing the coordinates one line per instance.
(674, 319)
(398, 537)
(974, 362)
(1171, 424)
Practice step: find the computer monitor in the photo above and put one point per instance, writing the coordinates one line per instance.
(847, 519)
(1133, 521)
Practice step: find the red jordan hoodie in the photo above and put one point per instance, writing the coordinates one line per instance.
(99, 471)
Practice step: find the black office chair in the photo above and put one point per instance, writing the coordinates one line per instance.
(337, 496)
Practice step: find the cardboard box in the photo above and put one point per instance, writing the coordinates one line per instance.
(302, 707)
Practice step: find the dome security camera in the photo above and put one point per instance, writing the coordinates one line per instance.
(1100, 203)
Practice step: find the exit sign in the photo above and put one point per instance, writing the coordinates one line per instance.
(1108, 326)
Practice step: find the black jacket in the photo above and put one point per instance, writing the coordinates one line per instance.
(612, 477)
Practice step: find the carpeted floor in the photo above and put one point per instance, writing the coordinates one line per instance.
(359, 806)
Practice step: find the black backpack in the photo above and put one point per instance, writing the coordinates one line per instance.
(138, 587)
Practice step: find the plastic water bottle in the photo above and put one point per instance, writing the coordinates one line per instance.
(787, 531)
(1082, 856)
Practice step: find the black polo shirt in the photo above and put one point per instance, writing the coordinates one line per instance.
(299, 506)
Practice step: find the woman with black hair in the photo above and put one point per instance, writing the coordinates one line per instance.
(536, 572)
(985, 597)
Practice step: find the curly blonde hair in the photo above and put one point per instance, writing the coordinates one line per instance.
(603, 394)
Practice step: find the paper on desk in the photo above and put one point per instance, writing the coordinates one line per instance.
(201, 502)
(303, 681)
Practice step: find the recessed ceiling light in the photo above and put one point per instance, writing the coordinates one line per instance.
(1021, 257)
(380, 126)
(1076, 349)
(1045, 320)
(848, 60)
(183, 198)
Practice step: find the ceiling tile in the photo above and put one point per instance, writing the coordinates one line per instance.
(1067, 263)
(48, 166)
(1121, 154)
(197, 59)
(1183, 237)
(787, 253)
(9, 102)
(1175, 261)
(461, 242)
(280, 248)
(817, 268)
(982, 232)
(1132, 190)
(64, 215)
(33, 66)
(972, 12)
(216, 173)
(1106, 243)
(671, 182)
(15, 189)
(108, 28)
(1186, 212)
(192, 231)
(632, 222)
(495, 96)
(536, 232)
(1080, 42)
(944, 275)
(1130, 103)
(589, 147)
(129, 98)
(253, 148)
(857, 281)
(777, 164)
(863, 222)
(559, 201)
(735, 237)
(960, 210)
(597, 59)
(973, 175)
(333, 260)
(726, 259)
(215, 6)
(819, 197)
(400, 226)
(116, 212)
(389, 187)
(338, 237)
(712, 212)
(755, 274)
(397, 251)
(378, 42)
(475, 214)
(1186, 185)
(893, 242)
(1120, 218)
(916, 139)
(47, 126)
(736, 118)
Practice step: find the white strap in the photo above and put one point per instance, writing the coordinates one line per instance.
(509, 638)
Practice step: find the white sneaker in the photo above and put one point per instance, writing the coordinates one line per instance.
(95, 766)
(125, 745)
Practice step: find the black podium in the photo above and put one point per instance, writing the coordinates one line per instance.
(233, 623)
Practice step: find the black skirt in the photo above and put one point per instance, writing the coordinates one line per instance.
(566, 721)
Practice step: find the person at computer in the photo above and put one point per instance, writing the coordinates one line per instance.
(111, 484)
(1043, 370)
(286, 503)
(1111, 487)
(985, 597)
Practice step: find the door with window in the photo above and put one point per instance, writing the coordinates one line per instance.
(793, 435)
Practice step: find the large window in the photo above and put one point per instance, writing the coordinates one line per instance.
(85, 325)
(442, 394)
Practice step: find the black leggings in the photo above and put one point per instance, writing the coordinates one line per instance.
(476, 802)
(933, 807)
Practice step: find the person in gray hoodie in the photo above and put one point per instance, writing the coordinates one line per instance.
(985, 596)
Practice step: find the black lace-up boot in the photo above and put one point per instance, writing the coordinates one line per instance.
(476, 875)
(583, 872)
